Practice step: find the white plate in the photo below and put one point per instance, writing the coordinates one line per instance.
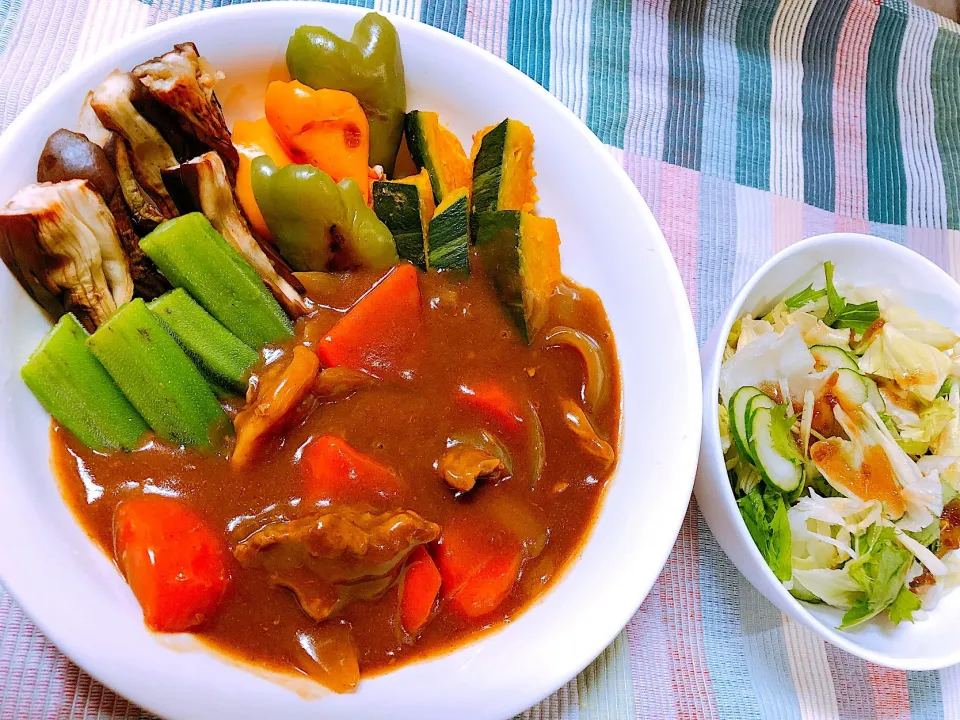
(610, 243)
(860, 260)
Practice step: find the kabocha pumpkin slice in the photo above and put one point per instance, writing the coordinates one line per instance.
(521, 254)
(437, 150)
(158, 377)
(503, 168)
(449, 235)
(73, 386)
(399, 206)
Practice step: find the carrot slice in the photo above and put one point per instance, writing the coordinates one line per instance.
(492, 402)
(177, 567)
(378, 330)
(478, 565)
(337, 472)
(418, 591)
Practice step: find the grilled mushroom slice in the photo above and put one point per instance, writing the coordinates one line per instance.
(60, 241)
(204, 180)
(183, 81)
(71, 156)
(114, 102)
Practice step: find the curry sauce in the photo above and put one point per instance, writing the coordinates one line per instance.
(404, 422)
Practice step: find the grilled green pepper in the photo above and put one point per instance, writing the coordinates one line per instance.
(368, 65)
(317, 224)
(73, 386)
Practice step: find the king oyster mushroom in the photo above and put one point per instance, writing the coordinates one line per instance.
(71, 156)
(183, 81)
(60, 241)
(115, 104)
(205, 183)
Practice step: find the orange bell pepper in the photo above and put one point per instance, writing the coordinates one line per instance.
(253, 138)
(324, 128)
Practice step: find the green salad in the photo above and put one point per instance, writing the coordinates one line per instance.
(840, 425)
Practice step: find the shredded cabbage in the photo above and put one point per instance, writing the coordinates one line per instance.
(834, 587)
(766, 360)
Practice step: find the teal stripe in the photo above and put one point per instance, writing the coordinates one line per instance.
(726, 647)
(9, 12)
(886, 177)
(926, 700)
(684, 124)
(753, 100)
(945, 81)
(819, 55)
(609, 94)
(448, 15)
(528, 38)
(719, 156)
(715, 263)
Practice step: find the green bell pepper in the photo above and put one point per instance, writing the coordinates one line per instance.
(368, 65)
(317, 224)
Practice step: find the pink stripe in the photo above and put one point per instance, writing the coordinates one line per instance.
(850, 108)
(787, 222)
(486, 25)
(645, 173)
(679, 590)
(679, 220)
(816, 221)
(653, 689)
(890, 695)
(935, 245)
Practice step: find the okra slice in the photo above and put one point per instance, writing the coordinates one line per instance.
(220, 355)
(157, 377)
(74, 387)
(194, 256)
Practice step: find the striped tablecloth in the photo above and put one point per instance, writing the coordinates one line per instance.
(747, 125)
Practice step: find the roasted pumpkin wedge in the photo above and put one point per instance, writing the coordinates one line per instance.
(449, 234)
(406, 208)
(521, 254)
(437, 150)
(503, 168)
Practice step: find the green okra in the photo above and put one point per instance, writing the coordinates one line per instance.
(158, 377)
(194, 256)
(75, 388)
(220, 355)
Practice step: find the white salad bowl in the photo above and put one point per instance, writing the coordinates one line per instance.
(611, 243)
(861, 260)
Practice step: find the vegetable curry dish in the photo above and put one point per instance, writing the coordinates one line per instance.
(319, 386)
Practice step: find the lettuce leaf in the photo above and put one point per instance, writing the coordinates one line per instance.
(903, 607)
(914, 366)
(765, 516)
(928, 332)
(833, 586)
(842, 314)
(880, 571)
(804, 297)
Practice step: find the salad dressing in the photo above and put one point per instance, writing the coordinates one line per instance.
(873, 480)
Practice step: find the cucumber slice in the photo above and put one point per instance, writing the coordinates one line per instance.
(873, 394)
(829, 356)
(755, 403)
(851, 387)
(776, 454)
(738, 417)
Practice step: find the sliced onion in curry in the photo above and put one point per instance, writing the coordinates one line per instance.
(577, 421)
(538, 450)
(337, 383)
(328, 654)
(597, 385)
